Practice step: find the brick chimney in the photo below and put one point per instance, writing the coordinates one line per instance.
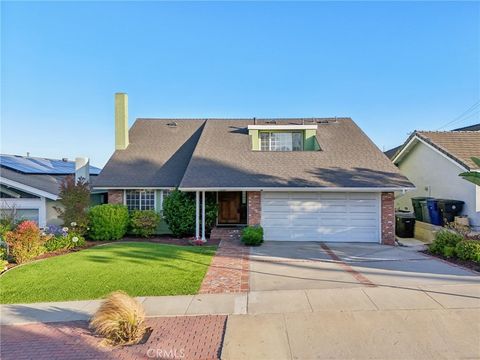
(121, 121)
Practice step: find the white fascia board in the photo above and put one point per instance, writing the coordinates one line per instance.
(416, 139)
(282, 127)
(303, 189)
(97, 188)
(27, 188)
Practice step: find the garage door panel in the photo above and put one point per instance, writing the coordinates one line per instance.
(310, 216)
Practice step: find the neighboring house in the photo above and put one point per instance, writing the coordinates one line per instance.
(301, 179)
(432, 160)
(30, 186)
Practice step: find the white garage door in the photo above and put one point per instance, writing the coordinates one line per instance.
(321, 216)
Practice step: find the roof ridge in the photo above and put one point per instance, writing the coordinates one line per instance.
(193, 152)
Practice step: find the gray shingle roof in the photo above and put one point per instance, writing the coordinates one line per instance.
(156, 156)
(216, 153)
(461, 146)
(48, 183)
(348, 158)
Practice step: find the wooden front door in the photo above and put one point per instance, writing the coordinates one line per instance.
(229, 207)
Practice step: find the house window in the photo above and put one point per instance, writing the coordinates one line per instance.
(140, 199)
(281, 141)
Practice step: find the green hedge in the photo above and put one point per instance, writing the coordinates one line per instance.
(144, 222)
(252, 235)
(108, 222)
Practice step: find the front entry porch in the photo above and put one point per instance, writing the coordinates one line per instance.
(232, 210)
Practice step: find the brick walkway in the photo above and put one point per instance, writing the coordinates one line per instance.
(184, 337)
(229, 270)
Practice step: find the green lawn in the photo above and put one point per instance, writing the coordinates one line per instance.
(140, 269)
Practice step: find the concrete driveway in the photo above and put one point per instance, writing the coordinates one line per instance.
(354, 301)
(312, 265)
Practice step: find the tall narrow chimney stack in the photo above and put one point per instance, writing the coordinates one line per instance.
(121, 121)
(82, 169)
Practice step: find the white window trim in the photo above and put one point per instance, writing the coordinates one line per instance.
(141, 189)
(270, 132)
(34, 204)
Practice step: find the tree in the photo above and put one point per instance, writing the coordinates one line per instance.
(472, 176)
(75, 198)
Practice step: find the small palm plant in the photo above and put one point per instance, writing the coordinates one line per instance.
(472, 176)
(120, 319)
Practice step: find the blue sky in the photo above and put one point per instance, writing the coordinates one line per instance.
(391, 66)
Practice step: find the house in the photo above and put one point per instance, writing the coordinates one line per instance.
(300, 179)
(30, 186)
(432, 160)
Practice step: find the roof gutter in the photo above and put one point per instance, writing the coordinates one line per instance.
(301, 189)
(27, 188)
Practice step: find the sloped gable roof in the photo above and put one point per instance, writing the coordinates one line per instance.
(459, 146)
(216, 153)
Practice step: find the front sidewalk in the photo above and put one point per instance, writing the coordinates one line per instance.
(382, 298)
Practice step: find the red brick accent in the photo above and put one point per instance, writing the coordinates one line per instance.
(229, 269)
(388, 218)
(181, 337)
(254, 203)
(115, 197)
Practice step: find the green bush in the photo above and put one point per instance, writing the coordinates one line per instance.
(144, 222)
(449, 251)
(179, 213)
(252, 235)
(468, 250)
(108, 222)
(3, 253)
(444, 239)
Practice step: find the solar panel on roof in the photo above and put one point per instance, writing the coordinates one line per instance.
(41, 165)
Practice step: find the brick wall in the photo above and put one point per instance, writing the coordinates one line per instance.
(254, 201)
(115, 196)
(388, 218)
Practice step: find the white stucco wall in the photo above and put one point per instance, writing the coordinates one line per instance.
(436, 176)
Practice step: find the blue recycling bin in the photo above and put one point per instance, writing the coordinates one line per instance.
(434, 212)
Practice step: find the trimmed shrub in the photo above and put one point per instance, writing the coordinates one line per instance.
(120, 319)
(108, 222)
(179, 213)
(252, 235)
(468, 250)
(25, 242)
(144, 222)
(444, 239)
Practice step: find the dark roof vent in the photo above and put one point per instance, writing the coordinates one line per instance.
(172, 124)
(270, 122)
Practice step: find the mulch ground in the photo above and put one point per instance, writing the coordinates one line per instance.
(182, 337)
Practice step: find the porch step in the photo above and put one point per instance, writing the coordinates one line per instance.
(225, 233)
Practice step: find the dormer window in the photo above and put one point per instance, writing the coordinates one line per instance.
(281, 141)
(283, 137)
